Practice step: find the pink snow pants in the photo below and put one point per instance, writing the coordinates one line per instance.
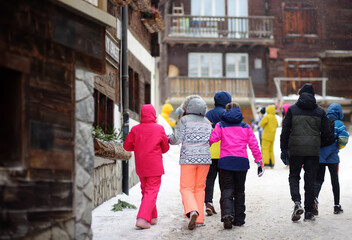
(192, 188)
(150, 188)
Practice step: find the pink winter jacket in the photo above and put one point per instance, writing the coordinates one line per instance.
(235, 135)
(148, 141)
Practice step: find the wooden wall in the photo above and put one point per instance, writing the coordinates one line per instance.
(333, 28)
(329, 27)
(37, 64)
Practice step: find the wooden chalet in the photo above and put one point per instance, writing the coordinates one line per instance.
(244, 47)
(60, 75)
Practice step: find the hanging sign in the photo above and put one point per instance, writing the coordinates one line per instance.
(111, 48)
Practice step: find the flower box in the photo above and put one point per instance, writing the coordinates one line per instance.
(154, 25)
(111, 150)
(140, 5)
(120, 3)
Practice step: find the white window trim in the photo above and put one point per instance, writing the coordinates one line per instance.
(199, 65)
(237, 63)
(213, 7)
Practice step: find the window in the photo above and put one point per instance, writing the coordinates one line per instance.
(133, 90)
(104, 111)
(300, 22)
(205, 65)
(11, 122)
(236, 65)
(237, 8)
(147, 92)
(208, 7)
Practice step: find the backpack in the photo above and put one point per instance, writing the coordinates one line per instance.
(329, 137)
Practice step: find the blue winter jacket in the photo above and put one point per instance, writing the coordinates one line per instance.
(329, 154)
(221, 99)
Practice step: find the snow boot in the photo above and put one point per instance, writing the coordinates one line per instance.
(200, 224)
(209, 208)
(338, 209)
(192, 222)
(142, 223)
(315, 207)
(228, 222)
(309, 216)
(297, 212)
(153, 221)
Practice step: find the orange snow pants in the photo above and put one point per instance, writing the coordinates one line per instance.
(192, 188)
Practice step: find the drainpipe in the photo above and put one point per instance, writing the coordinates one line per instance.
(124, 70)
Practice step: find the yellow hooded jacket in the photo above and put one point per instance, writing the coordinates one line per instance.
(165, 113)
(269, 124)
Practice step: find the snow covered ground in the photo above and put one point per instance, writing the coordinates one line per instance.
(268, 208)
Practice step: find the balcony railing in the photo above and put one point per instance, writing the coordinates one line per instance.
(207, 87)
(209, 27)
(240, 88)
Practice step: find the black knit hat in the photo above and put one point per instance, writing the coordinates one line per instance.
(308, 88)
(262, 111)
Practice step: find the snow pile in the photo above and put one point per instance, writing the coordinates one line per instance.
(268, 208)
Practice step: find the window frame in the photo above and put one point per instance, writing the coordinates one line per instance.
(199, 64)
(213, 8)
(237, 63)
(103, 111)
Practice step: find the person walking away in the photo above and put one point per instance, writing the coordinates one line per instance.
(165, 113)
(269, 125)
(285, 108)
(148, 141)
(221, 99)
(303, 128)
(235, 136)
(329, 156)
(193, 132)
(255, 125)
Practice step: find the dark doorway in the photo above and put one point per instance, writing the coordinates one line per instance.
(11, 120)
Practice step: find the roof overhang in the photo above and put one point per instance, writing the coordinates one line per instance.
(336, 54)
(89, 11)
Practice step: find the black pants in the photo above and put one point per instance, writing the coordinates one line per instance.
(209, 188)
(334, 175)
(232, 199)
(310, 165)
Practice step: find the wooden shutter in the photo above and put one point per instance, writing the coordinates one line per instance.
(300, 23)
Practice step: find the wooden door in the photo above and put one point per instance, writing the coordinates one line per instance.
(301, 68)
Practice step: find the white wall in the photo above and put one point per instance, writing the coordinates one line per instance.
(149, 62)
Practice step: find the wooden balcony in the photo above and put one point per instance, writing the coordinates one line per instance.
(208, 29)
(241, 89)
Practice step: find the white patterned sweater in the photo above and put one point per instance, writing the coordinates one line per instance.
(193, 132)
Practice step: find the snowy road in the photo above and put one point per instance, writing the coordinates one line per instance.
(268, 208)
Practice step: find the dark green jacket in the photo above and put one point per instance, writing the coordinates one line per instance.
(303, 127)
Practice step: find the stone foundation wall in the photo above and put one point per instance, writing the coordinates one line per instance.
(107, 178)
(84, 154)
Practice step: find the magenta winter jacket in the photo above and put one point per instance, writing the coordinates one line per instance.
(235, 135)
(148, 141)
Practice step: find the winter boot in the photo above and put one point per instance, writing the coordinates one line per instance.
(192, 222)
(153, 221)
(142, 223)
(209, 208)
(309, 216)
(315, 207)
(338, 209)
(297, 212)
(200, 224)
(228, 222)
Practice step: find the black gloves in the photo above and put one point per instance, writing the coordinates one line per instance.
(285, 156)
(260, 170)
